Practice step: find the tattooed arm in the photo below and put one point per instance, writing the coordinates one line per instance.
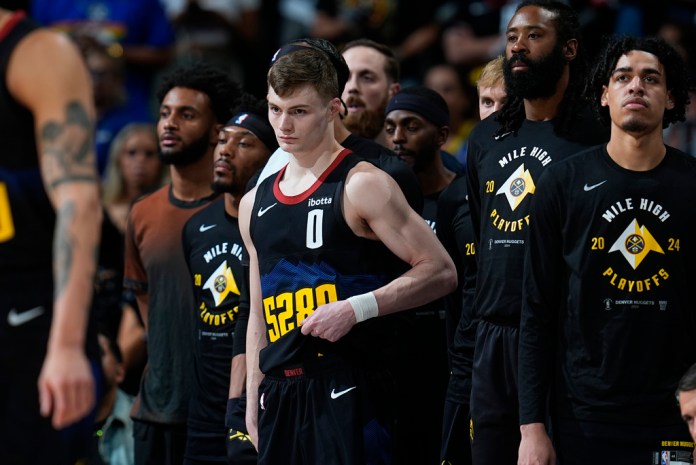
(46, 74)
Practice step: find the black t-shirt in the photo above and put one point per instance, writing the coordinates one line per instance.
(608, 317)
(214, 252)
(456, 234)
(502, 173)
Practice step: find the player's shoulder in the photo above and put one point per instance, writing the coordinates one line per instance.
(45, 46)
(211, 213)
(485, 129)
(578, 169)
(151, 199)
(484, 137)
(682, 160)
(583, 158)
(455, 193)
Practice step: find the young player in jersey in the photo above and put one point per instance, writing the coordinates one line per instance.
(608, 318)
(368, 149)
(50, 222)
(195, 101)
(317, 235)
(214, 252)
(540, 124)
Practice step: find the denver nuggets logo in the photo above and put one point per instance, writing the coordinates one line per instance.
(220, 283)
(240, 119)
(635, 243)
(517, 186)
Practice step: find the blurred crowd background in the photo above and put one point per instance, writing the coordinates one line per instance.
(441, 43)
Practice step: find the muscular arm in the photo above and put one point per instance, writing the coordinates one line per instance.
(255, 337)
(375, 208)
(60, 101)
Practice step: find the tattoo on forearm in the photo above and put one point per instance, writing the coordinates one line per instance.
(68, 154)
(63, 242)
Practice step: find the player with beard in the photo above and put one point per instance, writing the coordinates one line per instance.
(608, 317)
(195, 102)
(416, 120)
(373, 80)
(541, 123)
(417, 124)
(214, 251)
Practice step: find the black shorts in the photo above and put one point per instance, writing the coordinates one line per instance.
(494, 403)
(580, 443)
(158, 444)
(321, 414)
(25, 436)
(421, 374)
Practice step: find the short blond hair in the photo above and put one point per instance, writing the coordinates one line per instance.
(492, 74)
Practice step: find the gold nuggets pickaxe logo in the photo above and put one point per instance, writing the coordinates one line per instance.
(635, 243)
(221, 283)
(517, 186)
(238, 435)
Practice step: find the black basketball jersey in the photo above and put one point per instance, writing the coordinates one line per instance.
(502, 177)
(308, 256)
(214, 252)
(611, 267)
(26, 215)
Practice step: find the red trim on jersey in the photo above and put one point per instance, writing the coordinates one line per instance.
(295, 199)
(17, 16)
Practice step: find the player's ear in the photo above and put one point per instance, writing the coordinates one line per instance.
(670, 101)
(603, 98)
(570, 50)
(442, 135)
(215, 133)
(394, 89)
(334, 107)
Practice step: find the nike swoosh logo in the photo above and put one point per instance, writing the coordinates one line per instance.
(204, 228)
(262, 211)
(18, 319)
(336, 395)
(502, 135)
(589, 188)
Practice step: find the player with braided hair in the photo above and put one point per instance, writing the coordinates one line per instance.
(507, 154)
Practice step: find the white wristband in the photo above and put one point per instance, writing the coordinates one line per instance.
(364, 306)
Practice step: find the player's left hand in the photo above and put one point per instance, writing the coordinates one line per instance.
(331, 321)
(66, 386)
